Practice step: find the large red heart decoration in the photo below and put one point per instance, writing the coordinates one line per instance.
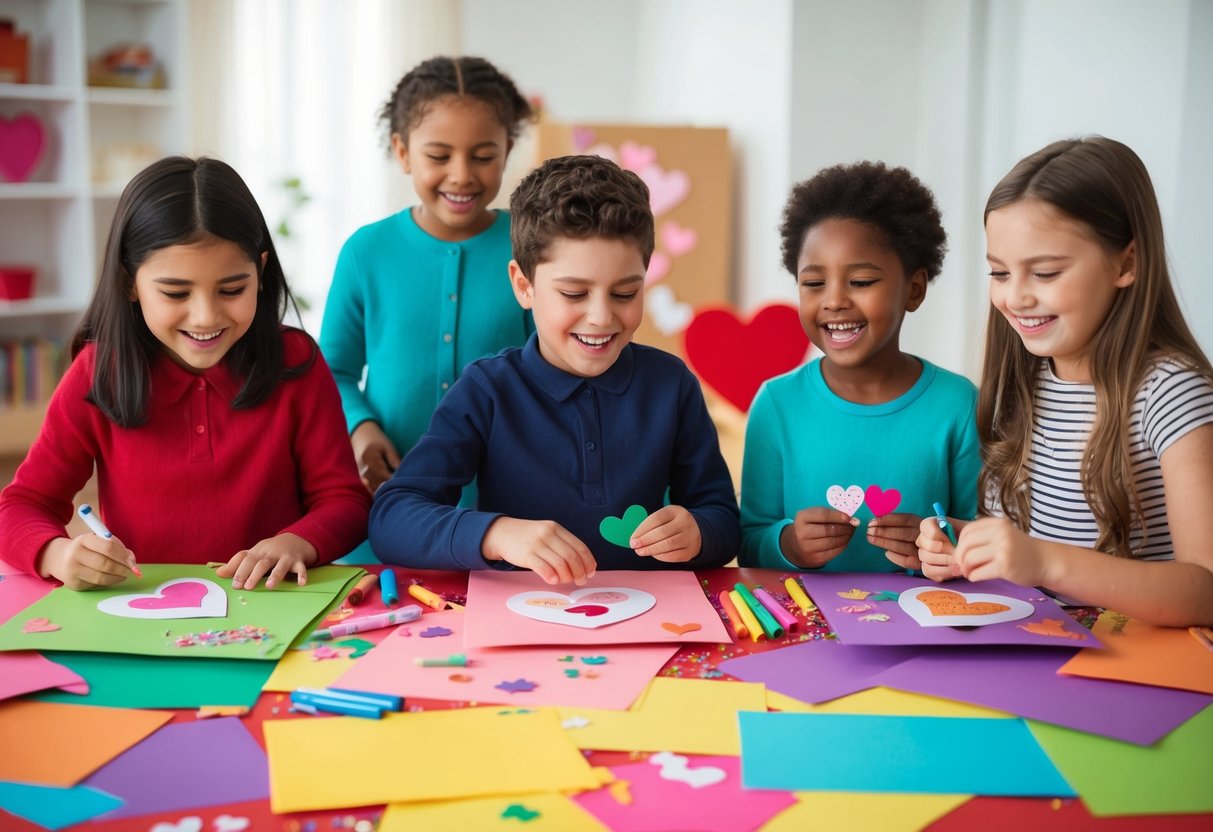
(21, 144)
(735, 358)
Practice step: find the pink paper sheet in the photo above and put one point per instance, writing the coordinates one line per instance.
(615, 683)
(26, 671)
(682, 613)
(18, 591)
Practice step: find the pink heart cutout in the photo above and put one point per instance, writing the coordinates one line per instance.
(173, 596)
(678, 240)
(588, 610)
(659, 267)
(22, 141)
(583, 137)
(634, 157)
(666, 188)
(881, 502)
(39, 625)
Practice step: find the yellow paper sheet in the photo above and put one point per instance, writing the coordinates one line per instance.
(297, 669)
(686, 716)
(1135, 652)
(863, 813)
(885, 702)
(52, 744)
(402, 758)
(556, 813)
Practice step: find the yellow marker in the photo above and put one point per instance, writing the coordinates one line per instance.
(431, 599)
(798, 595)
(747, 616)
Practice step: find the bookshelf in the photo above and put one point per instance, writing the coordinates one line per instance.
(95, 139)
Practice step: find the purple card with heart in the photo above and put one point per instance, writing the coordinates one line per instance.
(506, 609)
(892, 610)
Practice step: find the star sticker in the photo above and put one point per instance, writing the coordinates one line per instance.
(517, 686)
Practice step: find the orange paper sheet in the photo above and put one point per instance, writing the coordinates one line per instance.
(52, 744)
(1168, 657)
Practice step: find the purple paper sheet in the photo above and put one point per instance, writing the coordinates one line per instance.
(817, 671)
(1025, 682)
(901, 629)
(186, 765)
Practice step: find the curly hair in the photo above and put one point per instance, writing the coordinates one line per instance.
(441, 76)
(578, 197)
(891, 199)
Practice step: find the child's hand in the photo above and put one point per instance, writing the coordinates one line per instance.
(87, 562)
(545, 547)
(994, 547)
(277, 555)
(669, 534)
(896, 534)
(935, 550)
(816, 536)
(375, 454)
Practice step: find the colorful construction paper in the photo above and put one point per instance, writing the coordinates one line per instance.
(611, 676)
(662, 805)
(850, 614)
(259, 623)
(869, 813)
(1011, 814)
(1024, 681)
(886, 702)
(186, 765)
(26, 671)
(680, 604)
(18, 591)
(552, 813)
(686, 716)
(936, 755)
(1117, 778)
(125, 681)
(61, 744)
(54, 808)
(817, 671)
(406, 757)
(1143, 653)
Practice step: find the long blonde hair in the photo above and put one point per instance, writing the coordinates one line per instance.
(1103, 184)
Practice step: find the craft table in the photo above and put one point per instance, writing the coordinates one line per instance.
(691, 661)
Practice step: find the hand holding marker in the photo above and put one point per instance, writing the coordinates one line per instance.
(942, 520)
(98, 528)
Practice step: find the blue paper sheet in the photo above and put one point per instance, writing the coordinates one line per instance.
(920, 754)
(54, 808)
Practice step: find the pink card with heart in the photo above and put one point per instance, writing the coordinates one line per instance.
(506, 609)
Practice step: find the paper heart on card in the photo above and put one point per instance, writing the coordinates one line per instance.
(178, 598)
(934, 607)
(847, 500)
(585, 608)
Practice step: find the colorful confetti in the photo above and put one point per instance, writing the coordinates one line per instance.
(435, 632)
(855, 608)
(519, 812)
(855, 594)
(517, 686)
(593, 659)
(218, 638)
(876, 616)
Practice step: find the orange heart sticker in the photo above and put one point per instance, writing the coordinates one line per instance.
(947, 602)
(459, 677)
(680, 629)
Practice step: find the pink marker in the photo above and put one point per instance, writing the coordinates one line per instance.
(788, 621)
(371, 622)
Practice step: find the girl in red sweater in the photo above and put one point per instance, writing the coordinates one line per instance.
(217, 433)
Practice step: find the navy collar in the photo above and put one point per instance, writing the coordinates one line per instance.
(561, 385)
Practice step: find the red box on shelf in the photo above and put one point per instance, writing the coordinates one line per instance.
(17, 282)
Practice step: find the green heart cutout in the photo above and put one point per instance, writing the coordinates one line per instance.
(619, 530)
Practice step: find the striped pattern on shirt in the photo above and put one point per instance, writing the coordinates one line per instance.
(1171, 402)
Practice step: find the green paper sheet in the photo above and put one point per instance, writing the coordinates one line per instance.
(120, 680)
(1118, 778)
(285, 612)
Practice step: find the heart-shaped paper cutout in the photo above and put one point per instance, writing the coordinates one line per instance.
(677, 239)
(635, 157)
(619, 530)
(193, 823)
(178, 598)
(681, 629)
(39, 625)
(229, 823)
(21, 143)
(606, 151)
(847, 500)
(934, 607)
(880, 502)
(666, 188)
(583, 137)
(735, 358)
(674, 767)
(659, 267)
(668, 313)
(553, 608)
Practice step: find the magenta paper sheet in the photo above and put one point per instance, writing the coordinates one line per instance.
(868, 608)
(507, 609)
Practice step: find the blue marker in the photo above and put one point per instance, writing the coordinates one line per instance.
(98, 528)
(387, 588)
(942, 520)
(310, 703)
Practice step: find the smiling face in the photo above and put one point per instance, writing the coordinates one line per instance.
(854, 294)
(1053, 282)
(587, 298)
(198, 299)
(456, 157)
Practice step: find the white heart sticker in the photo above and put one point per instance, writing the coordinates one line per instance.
(675, 767)
(193, 823)
(933, 606)
(588, 608)
(178, 598)
(846, 500)
(229, 823)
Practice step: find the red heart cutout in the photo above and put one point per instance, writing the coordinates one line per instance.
(735, 358)
(881, 502)
(21, 144)
(588, 610)
(173, 595)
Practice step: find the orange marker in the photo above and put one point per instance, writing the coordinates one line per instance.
(431, 599)
(739, 628)
(361, 589)
(747, 616)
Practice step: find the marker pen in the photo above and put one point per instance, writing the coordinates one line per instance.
(453, 660)
(747, 616)
(98, 528)
(740, 630)
(796, 591)
(387, 587)
(371, 622)
(785, 618)
(942, 520)
(431, 599)
(770, 626)
(309, 703)
(362, 589)
(386, 701)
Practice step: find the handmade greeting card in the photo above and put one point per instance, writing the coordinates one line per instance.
(895, 610)
(627, 607)
(176, 610)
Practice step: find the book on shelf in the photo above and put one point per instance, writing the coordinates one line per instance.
(29, 370)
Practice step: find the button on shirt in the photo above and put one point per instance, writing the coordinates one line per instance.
(547, 445)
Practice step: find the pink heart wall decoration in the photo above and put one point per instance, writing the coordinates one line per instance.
(636, 157)
(22, 141)
(667, 189)
(678, 240)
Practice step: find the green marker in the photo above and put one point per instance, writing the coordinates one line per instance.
(769, 625)
(453, 660)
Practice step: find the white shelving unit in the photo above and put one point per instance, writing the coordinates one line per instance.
(57, 221)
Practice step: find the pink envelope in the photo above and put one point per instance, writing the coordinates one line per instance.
(681, 612)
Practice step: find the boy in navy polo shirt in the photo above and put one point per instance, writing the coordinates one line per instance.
(578, 425)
